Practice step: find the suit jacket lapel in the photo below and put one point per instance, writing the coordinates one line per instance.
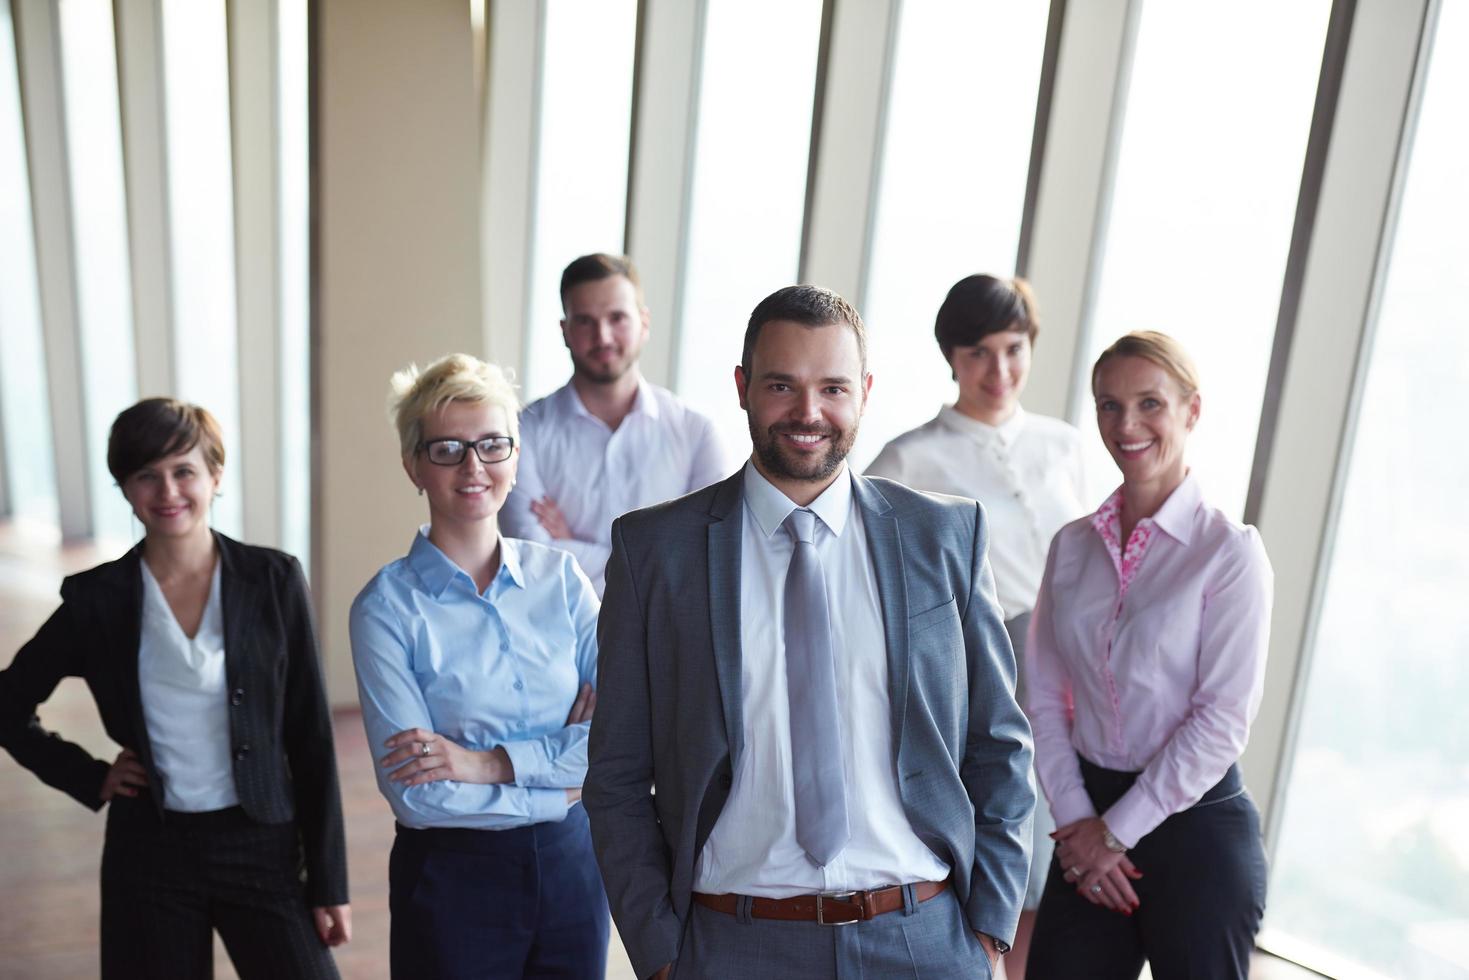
(886, 547)
(725, 546)
(238, 604)
(129, 638)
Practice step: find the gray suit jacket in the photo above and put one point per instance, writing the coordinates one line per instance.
(669, 703)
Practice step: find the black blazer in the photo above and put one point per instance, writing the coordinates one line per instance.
(280, 727)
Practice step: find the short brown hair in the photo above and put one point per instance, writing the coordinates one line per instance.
(980, 305)
(596, 267)
(1159, 348)
(159, 427)
(811, 306)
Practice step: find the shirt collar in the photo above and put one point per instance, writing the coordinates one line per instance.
(646, 402)
(1175, 518)
(436, 570)
(771, 507)
(1006, 432)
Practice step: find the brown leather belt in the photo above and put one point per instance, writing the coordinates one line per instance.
(840, 909)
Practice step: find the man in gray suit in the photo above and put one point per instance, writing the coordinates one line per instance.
(806, 708)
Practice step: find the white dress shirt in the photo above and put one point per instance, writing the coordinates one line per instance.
(663, 449)
(1147, 656)
(752, 849)
(185, 705)
(1027, 471)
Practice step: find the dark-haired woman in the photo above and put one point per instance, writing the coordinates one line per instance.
(201, 654)
(1026, 469)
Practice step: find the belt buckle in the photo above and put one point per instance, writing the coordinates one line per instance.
(839, 897)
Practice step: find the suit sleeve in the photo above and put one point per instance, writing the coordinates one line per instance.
(631, 850)
(55, 652)
(996, 769)
(308, 731)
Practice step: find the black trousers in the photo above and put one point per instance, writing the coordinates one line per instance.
(167, 884)
(524, 902)
(1202, 896)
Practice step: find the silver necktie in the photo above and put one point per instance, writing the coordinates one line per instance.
(822, 827)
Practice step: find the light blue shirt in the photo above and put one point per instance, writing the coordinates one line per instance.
(500, 668)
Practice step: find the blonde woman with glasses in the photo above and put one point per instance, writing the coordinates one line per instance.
(476, 665)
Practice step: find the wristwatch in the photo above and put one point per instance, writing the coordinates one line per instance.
(1113, 844)
(1001, 947)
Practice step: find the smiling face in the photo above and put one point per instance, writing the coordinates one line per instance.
(804, 399)
(171, 495)
(991, 375)
(604, 329)
(470, 490)
(1144, 417)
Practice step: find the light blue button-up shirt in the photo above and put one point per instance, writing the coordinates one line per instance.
(500, 668)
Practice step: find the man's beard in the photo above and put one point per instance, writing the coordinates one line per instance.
(603, 373)
(775, 459)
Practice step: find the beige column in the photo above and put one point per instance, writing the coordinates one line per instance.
(396, 245)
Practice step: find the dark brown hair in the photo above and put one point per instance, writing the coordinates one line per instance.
(596, 267)
(811, 306)
(159, 427)
(978, 306)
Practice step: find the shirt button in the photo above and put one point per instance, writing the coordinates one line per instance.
(504, 646)
(519, 685)
(237, 696)
(242, 751)
(520, 724)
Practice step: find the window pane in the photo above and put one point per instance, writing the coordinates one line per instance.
(581, 183)
(295, 270)
(202, 227)
(1372, 862)
(749, 189)
(1218, 114)
(99, 227)
(24, 411)
(956, 154)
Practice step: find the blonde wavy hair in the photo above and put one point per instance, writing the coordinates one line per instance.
(417, 393)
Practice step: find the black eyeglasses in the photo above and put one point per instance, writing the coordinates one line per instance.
(450, 452)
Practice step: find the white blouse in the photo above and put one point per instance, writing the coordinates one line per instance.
(185, 703)
(1027, 472)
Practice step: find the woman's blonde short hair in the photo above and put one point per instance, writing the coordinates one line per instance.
(415, 394)
(1159, 348)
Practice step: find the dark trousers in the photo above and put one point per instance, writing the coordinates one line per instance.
(1202, 896)
(526, 902)
(167, 883)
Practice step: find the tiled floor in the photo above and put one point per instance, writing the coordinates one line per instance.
(50, 847)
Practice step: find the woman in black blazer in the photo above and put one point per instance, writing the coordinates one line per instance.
(201, 654)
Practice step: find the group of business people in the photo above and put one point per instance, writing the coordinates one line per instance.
(742, 709)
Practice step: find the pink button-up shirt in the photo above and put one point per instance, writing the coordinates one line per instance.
(1147, 656)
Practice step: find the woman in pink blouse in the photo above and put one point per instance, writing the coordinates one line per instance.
(1146, 660)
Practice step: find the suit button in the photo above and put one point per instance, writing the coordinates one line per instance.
(237, 696)
(241, 752)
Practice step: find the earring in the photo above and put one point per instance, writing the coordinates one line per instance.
(420, 491)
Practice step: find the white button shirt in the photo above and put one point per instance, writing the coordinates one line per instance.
(185, 706)
(1028, 472)
(663, 449)
(752, 849)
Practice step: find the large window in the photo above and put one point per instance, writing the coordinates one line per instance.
(99, 228)
(201, 211)
(1217, 116)
(28, 471)
(1372, 867)
(749, 188)
(295, 275)
(960, 117)
(581, 179)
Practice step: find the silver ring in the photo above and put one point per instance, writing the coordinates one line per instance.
(1096, 889)
(423, 748)
(1077, 871)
